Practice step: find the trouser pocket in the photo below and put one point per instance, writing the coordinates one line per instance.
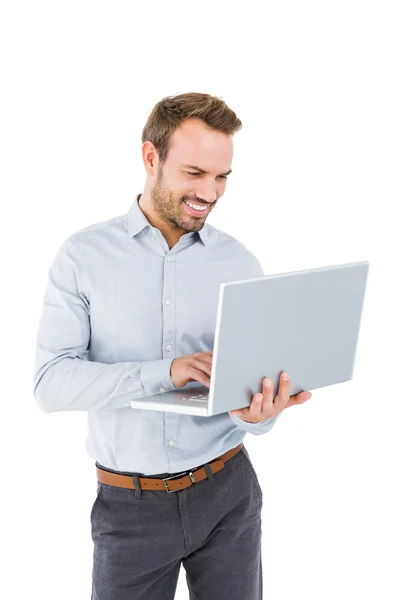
(252, 471)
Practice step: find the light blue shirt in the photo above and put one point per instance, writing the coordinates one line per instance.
(119, 306)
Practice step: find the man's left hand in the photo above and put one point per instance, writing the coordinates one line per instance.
(264, 407)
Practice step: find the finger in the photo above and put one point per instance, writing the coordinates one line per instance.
(202, 365)
(267, 396)
(200, 376)
(238, 412)
(297, 399)
(254, 410)
(301, 396)
(204, 357)
(283, 395)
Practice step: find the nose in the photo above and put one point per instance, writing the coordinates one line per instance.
(206, 193)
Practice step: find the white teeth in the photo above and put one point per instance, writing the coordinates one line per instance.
(196, 207)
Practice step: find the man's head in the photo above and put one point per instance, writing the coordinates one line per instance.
(187, 152)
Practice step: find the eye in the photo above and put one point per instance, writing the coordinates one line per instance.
(195, 174)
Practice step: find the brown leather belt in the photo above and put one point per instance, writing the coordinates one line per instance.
(176, 482)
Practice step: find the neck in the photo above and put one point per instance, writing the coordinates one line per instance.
(171, 236)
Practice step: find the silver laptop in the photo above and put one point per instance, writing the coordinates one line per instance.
(303, 322)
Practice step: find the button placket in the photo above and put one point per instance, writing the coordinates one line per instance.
(168, 336)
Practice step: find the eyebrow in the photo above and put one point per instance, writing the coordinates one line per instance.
(202, 170)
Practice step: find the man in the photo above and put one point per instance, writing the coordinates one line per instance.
(129, 311)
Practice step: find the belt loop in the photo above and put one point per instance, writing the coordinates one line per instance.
(138, 490)
(207, 468)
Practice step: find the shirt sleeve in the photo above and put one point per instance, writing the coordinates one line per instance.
(64, 379)
(255, 428)
(255, 270)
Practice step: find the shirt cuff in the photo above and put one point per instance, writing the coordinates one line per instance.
(155, 376)
(255, 428)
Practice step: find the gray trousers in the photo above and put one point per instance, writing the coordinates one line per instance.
(213, 528)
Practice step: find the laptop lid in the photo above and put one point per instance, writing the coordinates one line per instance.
(303, 322)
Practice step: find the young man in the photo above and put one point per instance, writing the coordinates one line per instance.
(129, 310)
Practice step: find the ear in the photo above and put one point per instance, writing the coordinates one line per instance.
(150, 158)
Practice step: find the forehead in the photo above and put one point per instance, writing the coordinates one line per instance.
(193, 142)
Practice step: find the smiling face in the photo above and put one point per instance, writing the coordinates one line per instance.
(196, 171)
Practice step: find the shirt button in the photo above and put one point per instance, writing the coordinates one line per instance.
(162, 389)
(169, 258)
(171, 443)
(169, 347)
(168, 301)
(154, 231)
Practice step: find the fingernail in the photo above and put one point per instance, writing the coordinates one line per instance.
(285, 377)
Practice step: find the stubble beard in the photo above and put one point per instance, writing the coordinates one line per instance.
(170, 208)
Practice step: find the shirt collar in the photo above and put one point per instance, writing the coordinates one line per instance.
(137, 221)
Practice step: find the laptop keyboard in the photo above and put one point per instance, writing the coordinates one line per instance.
(199, 397)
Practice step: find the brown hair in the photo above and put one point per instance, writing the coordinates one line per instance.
(169, 112)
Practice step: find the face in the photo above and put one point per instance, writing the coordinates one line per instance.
(209, 154)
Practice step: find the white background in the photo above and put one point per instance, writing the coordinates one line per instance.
(315, 182)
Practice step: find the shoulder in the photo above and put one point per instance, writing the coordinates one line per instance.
(235, 247)
(97, 233)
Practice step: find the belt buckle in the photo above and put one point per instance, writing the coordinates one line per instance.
(190, 473)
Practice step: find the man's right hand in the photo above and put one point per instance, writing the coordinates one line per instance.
(192, 367)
